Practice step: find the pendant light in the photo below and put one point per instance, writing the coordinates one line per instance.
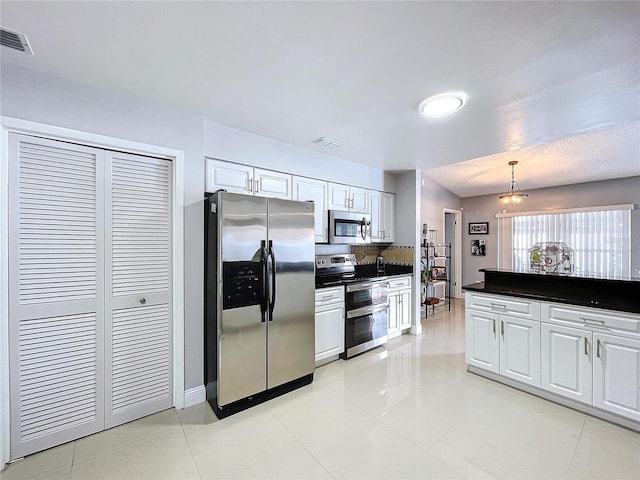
(513, 195)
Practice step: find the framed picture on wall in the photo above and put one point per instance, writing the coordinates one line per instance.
(478, 248)
(478, 228)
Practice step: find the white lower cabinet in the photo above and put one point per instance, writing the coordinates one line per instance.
(329, 323)
(588, 355)
(520, 349)
(482, 340)
(399, 315)
(502, 344)
(613, 391)
(566, 362)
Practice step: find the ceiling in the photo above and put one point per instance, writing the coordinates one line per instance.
(554, 85)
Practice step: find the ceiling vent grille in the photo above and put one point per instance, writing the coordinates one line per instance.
(15, 40)
(326, 142)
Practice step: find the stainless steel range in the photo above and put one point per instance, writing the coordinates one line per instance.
(366, 302)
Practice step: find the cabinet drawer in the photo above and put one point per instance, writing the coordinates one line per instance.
(594, 319)
(517, 307)
(399, 283)
(329, 296)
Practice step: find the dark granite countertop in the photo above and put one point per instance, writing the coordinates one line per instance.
(611, 294)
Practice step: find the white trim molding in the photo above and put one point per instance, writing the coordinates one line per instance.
(603, 208)
(14, 125)
(195, 395)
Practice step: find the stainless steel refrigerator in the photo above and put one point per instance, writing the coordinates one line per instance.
(259, 299)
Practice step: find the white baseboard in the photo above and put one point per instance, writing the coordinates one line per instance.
(194, 396)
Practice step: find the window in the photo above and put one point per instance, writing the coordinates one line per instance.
(601, 240)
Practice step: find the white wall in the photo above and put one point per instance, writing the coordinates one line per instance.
(39, 98)
(433, 199)
(484, 208)
(224, 143)
(407, 216)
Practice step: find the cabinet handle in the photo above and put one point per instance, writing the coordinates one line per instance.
(586, 346)
(591, 321)
(502, 328)
(257, 185)
(352, 202)
(498, 306)
(250, 184)
(326, 233)
(598, 345)
(494, 327)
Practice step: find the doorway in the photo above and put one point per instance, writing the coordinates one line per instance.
(453, 235)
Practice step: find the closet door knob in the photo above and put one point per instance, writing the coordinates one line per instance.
(143, 301)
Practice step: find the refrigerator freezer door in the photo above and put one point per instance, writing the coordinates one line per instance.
(291, 329)
(241, 331)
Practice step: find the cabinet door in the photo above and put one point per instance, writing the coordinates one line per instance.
(305, 189)
(339, 197)
(388, 217)
(359, 199)
(232, 177)
(405, 309)
(616, 375)
(56, 272)
(481, 336)
(520, 349)
(393, 327)
(566, 361)
(376, 212)
(329, 332)
(138, 289)
(272, 184)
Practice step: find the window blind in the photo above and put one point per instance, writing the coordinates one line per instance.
(601, 240)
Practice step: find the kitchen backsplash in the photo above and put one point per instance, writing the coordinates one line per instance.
(393, 255)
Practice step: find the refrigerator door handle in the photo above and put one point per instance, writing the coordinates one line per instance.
(263, 261)
(272, 301)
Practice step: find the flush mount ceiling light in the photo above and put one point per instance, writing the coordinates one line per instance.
(443, 104)
(513, 195)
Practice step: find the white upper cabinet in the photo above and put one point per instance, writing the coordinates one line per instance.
(381, 208)
(231, 177)
(348, 199)
(359, 199)
(305, 189)
(272, 184)
(237, 178)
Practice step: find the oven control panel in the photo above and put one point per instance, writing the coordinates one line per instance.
(346, 261)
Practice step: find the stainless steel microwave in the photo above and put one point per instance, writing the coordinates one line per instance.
(349, 228)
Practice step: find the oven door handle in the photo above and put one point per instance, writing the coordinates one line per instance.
(366, 286)
(361, 312)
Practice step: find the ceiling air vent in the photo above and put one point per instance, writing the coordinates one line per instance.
(327, 142)
(15, 40)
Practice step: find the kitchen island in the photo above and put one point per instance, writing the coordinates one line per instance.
(570, 339)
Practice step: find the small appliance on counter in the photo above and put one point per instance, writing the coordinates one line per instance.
(380, 270)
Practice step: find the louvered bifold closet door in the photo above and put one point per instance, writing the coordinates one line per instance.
(56, 293)
(139, 270)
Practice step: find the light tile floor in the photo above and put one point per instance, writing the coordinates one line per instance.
(407, 411)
